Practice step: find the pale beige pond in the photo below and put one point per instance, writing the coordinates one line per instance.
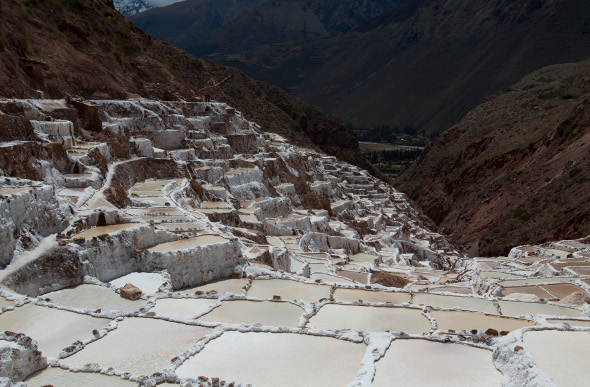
(537, 291)
(452, 289)
(562, 355)
(139, 345)
(478, 304)
(538, 281)
(365, 257)
(273, 359)
(362, 278)
(458, 320)
(58, 377)
(188, 243)
(153, 185)
(425, 363)
(514, 308)
(369, 318)
(290, 290)
(53, 329)
(229, 286)
(577, 323)
(215, 205)
(93, 297)
(498, 274)
(280, 314)
(101, 230)
(182, 308)
(332, 279)
(371, 296)
(4, 302)
(561, 290)
(14, 190)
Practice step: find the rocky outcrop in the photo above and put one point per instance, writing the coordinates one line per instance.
(19, 356)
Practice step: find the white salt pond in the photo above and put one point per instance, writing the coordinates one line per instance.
(4, 302)
(562, 355)
(331, 279)
(93, 297)
(576, 323)
(280, 314)
(58, 377)
(53, 329)
(141, 346)
(102, 230)
(149, 283)
(188, 243)
(458, 320)
(182, 308)
(538, 281)
(426, 363)
(478, 304)
(290, 290)
(225, 286)
(259, 359)
(514, 308)
(370, 319)
(371, 296)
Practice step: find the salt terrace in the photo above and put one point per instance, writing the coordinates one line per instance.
(214, 253)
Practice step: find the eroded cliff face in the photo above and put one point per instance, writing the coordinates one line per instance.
(514, 170)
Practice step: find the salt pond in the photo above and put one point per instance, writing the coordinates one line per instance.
(102, 230)
(93, 297)
(139, 345)
(514, 308)
(53, 329)
(259, 359)
(478, 304)
(188, 243)
(289, 290)
(230, 286)
(149, 283)
(562, 355)
(459, 320)
(182, 308)
(425, 363)
(369, 318)
(59, 377)
(250, 312)
(371, 296)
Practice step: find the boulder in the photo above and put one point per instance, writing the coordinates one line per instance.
(130, 292)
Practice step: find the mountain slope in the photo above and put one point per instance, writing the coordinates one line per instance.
(130, 7)
(516, 169)
(91, 50)
(184, 23)
(427, 62)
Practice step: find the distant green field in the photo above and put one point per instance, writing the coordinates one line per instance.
(368, 147)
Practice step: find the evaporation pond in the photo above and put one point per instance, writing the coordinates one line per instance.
(458, 320)
(290, 290)
(188, 243)
(59, 377)
(229, 286)
(371, 296)
(149, 283)
(425, 363)
(4, 302)
(576, 323)
(93, 297)
(478, 304)
(562, 355)
(139, 345)
(271, 359)
(370, 319)
(514, 308)
(53, 329)
(330, 278)
(101, 230)
(182, 308)
(280, 314)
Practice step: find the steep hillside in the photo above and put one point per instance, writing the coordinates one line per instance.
(185, 23)
(426, 63)
(277, 21)
(206, 27)
(516, 169)
(89, 49)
